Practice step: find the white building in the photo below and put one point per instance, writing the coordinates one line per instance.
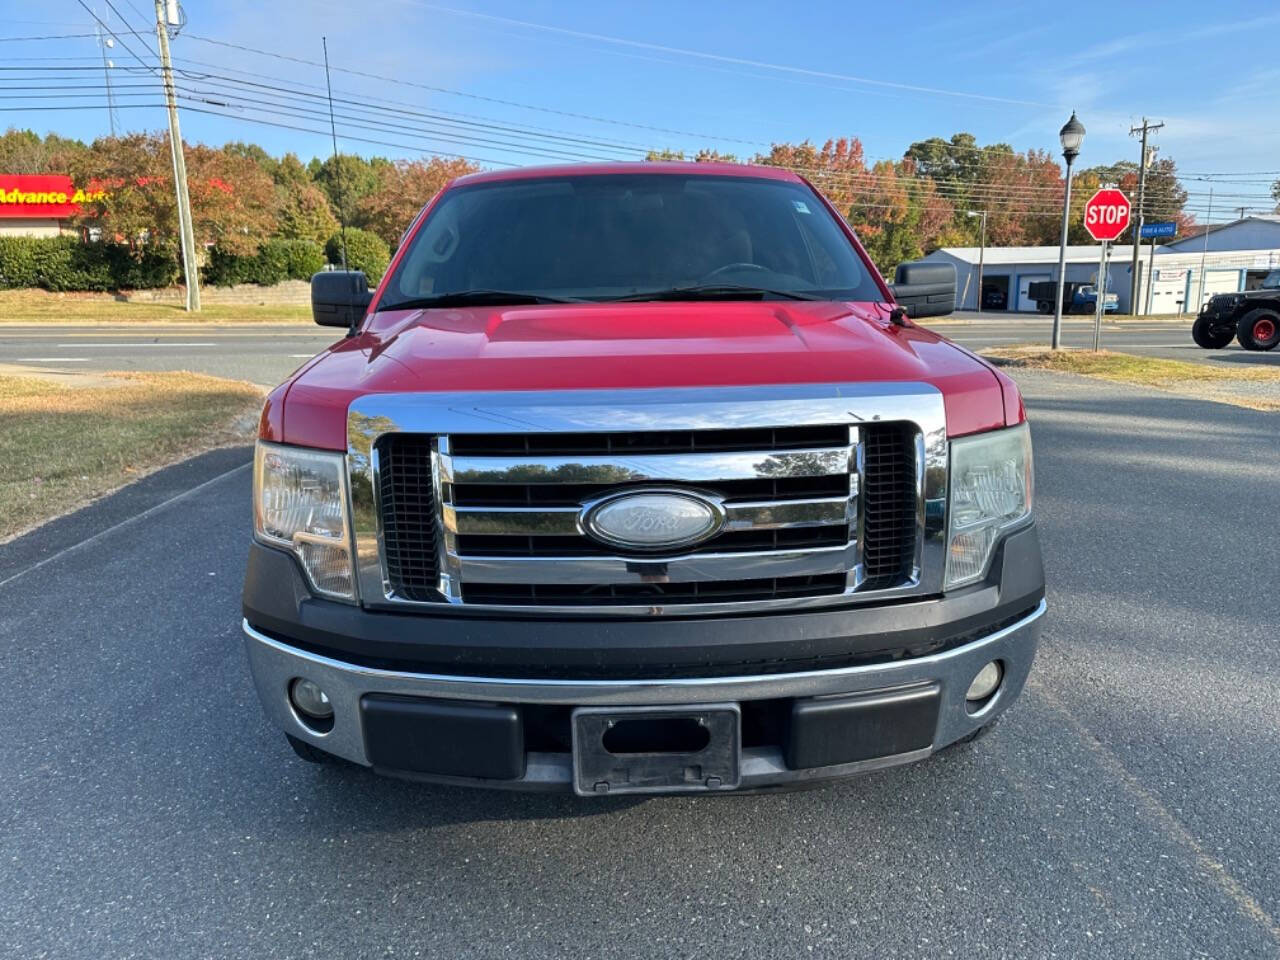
(1236, 256)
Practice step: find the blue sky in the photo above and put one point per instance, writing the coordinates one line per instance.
(729, 75)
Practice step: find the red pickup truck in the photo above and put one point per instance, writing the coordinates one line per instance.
(639, 478)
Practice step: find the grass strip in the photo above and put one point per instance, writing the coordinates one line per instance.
(1254, 387)
(39, 307)
(65, 443)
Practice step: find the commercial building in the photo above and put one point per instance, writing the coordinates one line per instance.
(38, 205)
(1235, 256)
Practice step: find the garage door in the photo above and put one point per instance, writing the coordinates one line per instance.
(1025, 303)
(1215, 281)
(1168, 290)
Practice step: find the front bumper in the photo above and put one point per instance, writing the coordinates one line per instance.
(943, 676)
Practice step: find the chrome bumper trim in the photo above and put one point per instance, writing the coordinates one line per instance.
(275, 664)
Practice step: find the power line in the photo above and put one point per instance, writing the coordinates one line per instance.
(740, 61)
(474, 96)
(51, 36)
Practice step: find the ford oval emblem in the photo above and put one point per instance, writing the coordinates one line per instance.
(653, 519)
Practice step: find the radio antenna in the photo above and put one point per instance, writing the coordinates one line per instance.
(337, 163)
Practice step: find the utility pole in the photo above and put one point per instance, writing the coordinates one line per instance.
(1137, 227)
(190, 268)
(982, 250)
(1204, 252)
(1242, 211)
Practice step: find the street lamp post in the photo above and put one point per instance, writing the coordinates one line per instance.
(1072, 136)
(982, 250)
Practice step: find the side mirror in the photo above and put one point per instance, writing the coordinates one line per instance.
(339, 298)
(925, 289)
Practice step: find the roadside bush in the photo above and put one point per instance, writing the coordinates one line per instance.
(365, 251)
(276, 261)
(66, 263)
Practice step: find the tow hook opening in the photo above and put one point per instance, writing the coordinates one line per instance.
(656, 735)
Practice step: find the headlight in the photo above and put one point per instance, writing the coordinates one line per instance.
(991, 489)
(300, 503)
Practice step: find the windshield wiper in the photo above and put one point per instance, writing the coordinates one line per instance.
(714, 291)
(475, 298)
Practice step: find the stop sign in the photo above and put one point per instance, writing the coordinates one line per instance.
(1106, 214)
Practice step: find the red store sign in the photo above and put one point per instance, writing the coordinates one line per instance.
(42, 196)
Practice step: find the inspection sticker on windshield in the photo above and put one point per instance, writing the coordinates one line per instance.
(801, 206)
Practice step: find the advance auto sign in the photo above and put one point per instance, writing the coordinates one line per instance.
(42, 196)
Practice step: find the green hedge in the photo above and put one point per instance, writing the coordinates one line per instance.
(365, 251)
(275, 262)
(66, 263)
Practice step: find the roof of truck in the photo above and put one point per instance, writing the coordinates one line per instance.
(684, 167)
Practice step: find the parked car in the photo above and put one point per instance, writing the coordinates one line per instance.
(993, 298)
(638, 478)
(1252, 317)
(1076, 297)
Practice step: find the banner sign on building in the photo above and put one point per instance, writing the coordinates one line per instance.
(42, 196)
(1150, 231)
(1165, 273)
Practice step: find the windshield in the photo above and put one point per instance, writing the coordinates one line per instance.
(1272, 281)
(606, 237)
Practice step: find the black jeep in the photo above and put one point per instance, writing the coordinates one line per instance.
(1252, 317)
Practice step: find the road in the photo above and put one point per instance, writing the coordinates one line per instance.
(263, 354)
(1125, 807)
(1154, 338)
(266, 354)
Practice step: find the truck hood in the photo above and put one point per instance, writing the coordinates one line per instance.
(631, 345)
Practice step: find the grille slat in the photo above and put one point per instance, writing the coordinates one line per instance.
(713, 591)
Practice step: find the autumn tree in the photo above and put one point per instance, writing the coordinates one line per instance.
(346, 180)
(25, 151)
(232, 199)
(401, 189)
(705, 155)
(898, 214)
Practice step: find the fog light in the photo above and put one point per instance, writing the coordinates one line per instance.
(985, 683)
(309, 700)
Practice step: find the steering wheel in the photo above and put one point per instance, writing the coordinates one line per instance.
(741, 267)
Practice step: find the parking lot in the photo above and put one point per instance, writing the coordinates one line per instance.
(1125, 807)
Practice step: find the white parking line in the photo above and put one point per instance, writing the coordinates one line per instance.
(126, 522)
(51, 360)
(165, 343)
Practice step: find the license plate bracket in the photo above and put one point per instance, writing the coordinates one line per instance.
(687, 749)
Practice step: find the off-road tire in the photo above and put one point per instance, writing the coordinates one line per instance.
(309, 753)
(1204, 336)
(1259, 329)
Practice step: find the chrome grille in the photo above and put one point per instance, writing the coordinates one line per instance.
(478, 499)
(503, 502)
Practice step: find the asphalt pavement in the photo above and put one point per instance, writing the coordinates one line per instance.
(266, 354)
(263, 354)
(1125, 807)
